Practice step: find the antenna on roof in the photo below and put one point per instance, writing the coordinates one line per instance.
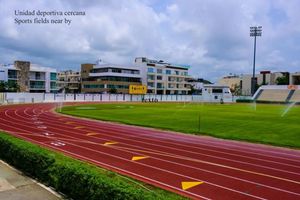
(99, 61)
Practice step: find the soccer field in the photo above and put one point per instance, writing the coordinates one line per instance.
(272, 124)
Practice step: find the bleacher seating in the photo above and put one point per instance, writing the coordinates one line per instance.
(296, 96)
(276, 95)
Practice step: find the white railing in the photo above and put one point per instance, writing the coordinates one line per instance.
(8, 98)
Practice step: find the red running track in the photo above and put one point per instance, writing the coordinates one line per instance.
(194, 166)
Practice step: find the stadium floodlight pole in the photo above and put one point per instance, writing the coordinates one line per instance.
(254, 32)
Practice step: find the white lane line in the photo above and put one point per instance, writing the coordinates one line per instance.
(174, 156)
(158, 183)
(195, 153)
(180, 175)
(47, 134)
(275, 169)
(186, 166)
(139, 135)
(199, 169)
(58, 143)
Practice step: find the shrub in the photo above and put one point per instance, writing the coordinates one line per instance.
(74, 178)
(244, 101)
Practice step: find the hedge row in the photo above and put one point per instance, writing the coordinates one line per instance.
(262, 101)
(75, 179)
(244, 101)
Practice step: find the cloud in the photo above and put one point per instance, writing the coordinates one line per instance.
(212, 36)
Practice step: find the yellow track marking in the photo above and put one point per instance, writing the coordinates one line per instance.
(188, 185)
(69, 122)
(109, 143)
(135, 158)
(209, 163)
(78, 127)
(90, 134)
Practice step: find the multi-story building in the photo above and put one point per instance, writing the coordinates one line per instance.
(162, 77)
(69, 81)
(159, 77)
(232, 81)
(243, 82)
(29, 77)
(103, 77)
(295, 78)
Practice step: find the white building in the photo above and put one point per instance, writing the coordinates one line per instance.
(216, 93)
(243, 82)
(29, 77)
(69, 80)
(295, 78)
(162, 77)
(105, 77)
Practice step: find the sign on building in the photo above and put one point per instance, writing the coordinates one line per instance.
(137, 89)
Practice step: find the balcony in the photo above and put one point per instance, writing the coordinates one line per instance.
(37, 87)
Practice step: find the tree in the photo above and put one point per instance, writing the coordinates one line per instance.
(282, 80)
(113, 90)
(236, 90)
(13, 87)
(3, 86)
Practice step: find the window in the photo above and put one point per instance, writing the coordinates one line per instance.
(94, 86)
(159, 71)
(151, 70)
(177, 72)
(150, 77)
(217, 91)
(159, 77)
(100, 70)
(12, 74)
(150, 84)
(53, 85)
(171, 79)
(37, 75)
(53, 76)
(159, 85)
(168, 71)
(116, 70)
(118, 86)
(37, 84)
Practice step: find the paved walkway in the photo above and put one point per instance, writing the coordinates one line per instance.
(15, 186)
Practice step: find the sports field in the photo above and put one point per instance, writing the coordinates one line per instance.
(272, 124)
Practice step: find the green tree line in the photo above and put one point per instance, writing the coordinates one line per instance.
(9, 86)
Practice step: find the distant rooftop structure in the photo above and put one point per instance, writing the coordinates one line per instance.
(161, 62)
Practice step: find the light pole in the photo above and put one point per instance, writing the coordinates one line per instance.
(254, 31)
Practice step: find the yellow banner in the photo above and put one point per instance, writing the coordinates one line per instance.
(137, 89)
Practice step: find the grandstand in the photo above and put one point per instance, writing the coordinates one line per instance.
(296, 96)
(273, 95)
(282, 93)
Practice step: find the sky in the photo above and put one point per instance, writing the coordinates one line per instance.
(212, 36)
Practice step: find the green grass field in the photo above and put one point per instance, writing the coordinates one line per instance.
(262, 123)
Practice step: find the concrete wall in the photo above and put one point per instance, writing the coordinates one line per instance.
(8, 98)
(23, 75)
